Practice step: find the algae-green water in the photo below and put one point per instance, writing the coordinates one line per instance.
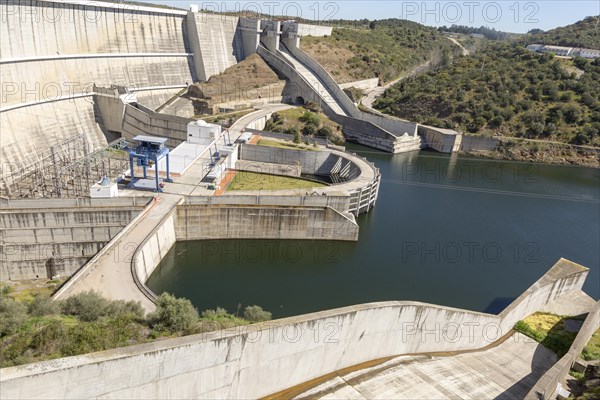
(450, 230)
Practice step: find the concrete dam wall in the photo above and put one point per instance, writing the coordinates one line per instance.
(262, 359)
(52, 54)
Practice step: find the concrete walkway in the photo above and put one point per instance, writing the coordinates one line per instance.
(507, 371)
(109, 273)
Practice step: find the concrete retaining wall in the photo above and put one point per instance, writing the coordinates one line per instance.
(139, 120)
(442, 140)
(311, 162)
(262, 359)
(478, 143)
(339, 203)
(153, 249)
(45, 242)
(263, 222)
(268, 168)
(547, 386)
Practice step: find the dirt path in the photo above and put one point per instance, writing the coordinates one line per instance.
(370, 97)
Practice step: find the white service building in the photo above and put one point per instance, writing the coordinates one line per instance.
(202, 133)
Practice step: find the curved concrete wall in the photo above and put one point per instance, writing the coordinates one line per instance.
(262, 359)
(198, 222)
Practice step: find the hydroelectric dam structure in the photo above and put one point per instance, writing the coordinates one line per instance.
(80, 79)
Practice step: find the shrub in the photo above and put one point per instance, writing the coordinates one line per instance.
(297, 137)
(43, 305)
(256, 314)
(312, 106)
(311, 118)
(292, 130)
(325, 132)
(310, 129)
(215, 314)
(173, 314)
(87, 306)
(12, 315)
(120, 308)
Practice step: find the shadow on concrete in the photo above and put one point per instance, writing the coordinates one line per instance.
(557, 343)
(498, 304)
(543, 359)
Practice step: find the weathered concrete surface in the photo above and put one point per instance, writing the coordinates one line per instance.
(59, 238)
(268, 168)
(323, 162)
(260, 360)
(547, 385)
(507, 371)
(109, 272)
(54, 51)
(215, 41)
(442, 140)
(263, 222)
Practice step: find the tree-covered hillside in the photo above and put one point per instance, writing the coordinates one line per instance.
(506, 90)
(380, 49)
(585, 33)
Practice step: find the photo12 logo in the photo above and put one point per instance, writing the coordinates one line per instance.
(469, 12)
(313, 10)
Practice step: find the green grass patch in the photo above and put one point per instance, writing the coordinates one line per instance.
(549, 330)
(591, 351)
(255, 181)
(286, 145)
(230, 117)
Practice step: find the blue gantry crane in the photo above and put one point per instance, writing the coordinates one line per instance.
(149, 149)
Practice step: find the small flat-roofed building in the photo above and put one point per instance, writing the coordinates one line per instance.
(535, 47)
(203, 133)
(558, 50)
(587, 53)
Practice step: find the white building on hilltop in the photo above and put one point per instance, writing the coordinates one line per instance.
(565, 51)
